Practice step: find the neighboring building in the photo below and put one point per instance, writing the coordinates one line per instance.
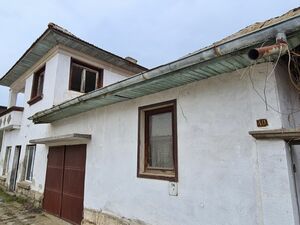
(209, 139)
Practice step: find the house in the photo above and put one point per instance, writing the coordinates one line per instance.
(211, 138)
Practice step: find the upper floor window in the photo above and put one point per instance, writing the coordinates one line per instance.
(37, 86)
(157, 150)
(84, 78)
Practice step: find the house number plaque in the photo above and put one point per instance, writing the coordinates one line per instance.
(262, 123)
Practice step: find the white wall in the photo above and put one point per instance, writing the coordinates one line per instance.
(29, 131)
(289, 98)
(222, 170)
(110, 77)
(55, 91)
(62, 92)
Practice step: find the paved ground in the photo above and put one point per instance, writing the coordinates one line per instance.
(15, 213)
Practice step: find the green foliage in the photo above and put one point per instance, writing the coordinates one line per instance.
(4, 197)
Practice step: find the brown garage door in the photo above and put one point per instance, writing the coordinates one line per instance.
(63, 194)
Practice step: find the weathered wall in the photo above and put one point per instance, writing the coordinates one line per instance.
(62, 92)
(288, 98)
(55, 91)
(222, 169)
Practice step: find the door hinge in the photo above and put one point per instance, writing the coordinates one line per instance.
(294, 168)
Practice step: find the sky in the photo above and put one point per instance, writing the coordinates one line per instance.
(152, 31)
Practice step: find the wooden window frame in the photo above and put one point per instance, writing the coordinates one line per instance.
(27, 161)
(143, 170)
(37, 95)
(99, 78)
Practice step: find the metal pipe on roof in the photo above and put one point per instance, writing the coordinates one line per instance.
(281, 47)
(231, 46)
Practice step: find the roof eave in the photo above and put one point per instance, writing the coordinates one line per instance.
(174, 74)
(50, 38)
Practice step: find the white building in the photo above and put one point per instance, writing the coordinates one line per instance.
(208, 139)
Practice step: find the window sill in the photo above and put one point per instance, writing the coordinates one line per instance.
(159, 175)
(35, 99)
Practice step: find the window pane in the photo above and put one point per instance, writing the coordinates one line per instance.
(90, 81)
(161, 141)
(35, 82)
(6, 161)
(76, 77)
(40, 84)
(30, 162)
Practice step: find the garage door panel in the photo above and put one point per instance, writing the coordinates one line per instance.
(71, 185)
(72, 208)
(64, 187)
(75, 156)
(72, 200)
(54, 181)
(52, 202)
(55, 156)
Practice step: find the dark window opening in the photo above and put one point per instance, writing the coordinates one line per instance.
(6, 161)
(37, 86)
(90, 81)
(85, 78)
(76, 78)
(30, 156)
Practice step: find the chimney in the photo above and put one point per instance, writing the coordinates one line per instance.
(130, 59)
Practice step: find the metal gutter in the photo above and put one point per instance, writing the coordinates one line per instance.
(205, 57)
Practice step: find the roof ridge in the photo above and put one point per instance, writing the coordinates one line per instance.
(54, 26)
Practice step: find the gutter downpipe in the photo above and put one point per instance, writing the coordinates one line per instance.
(281, 47)
(230, 46)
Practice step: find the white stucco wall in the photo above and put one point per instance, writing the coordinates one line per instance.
(289, 98)
(225, 176)
(55, 91)
(62, 92)
(223, 171)
(109, 77)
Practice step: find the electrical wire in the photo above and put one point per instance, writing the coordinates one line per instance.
(290, 72)
(262, 98)
(269, 75)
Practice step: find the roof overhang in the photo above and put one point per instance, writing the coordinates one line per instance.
(54, 36)
(218, 59)
(67, 139)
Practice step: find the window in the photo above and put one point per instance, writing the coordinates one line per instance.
(157, 148)
(84, 78)
(30, 155)
(6, 161)
(37, 86)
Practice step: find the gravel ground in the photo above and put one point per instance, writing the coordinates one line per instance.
(15, 213)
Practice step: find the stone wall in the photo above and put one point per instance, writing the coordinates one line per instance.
(23, 190)
(94, 217)
(3, 183)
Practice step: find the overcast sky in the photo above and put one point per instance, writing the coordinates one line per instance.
(152, 31)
